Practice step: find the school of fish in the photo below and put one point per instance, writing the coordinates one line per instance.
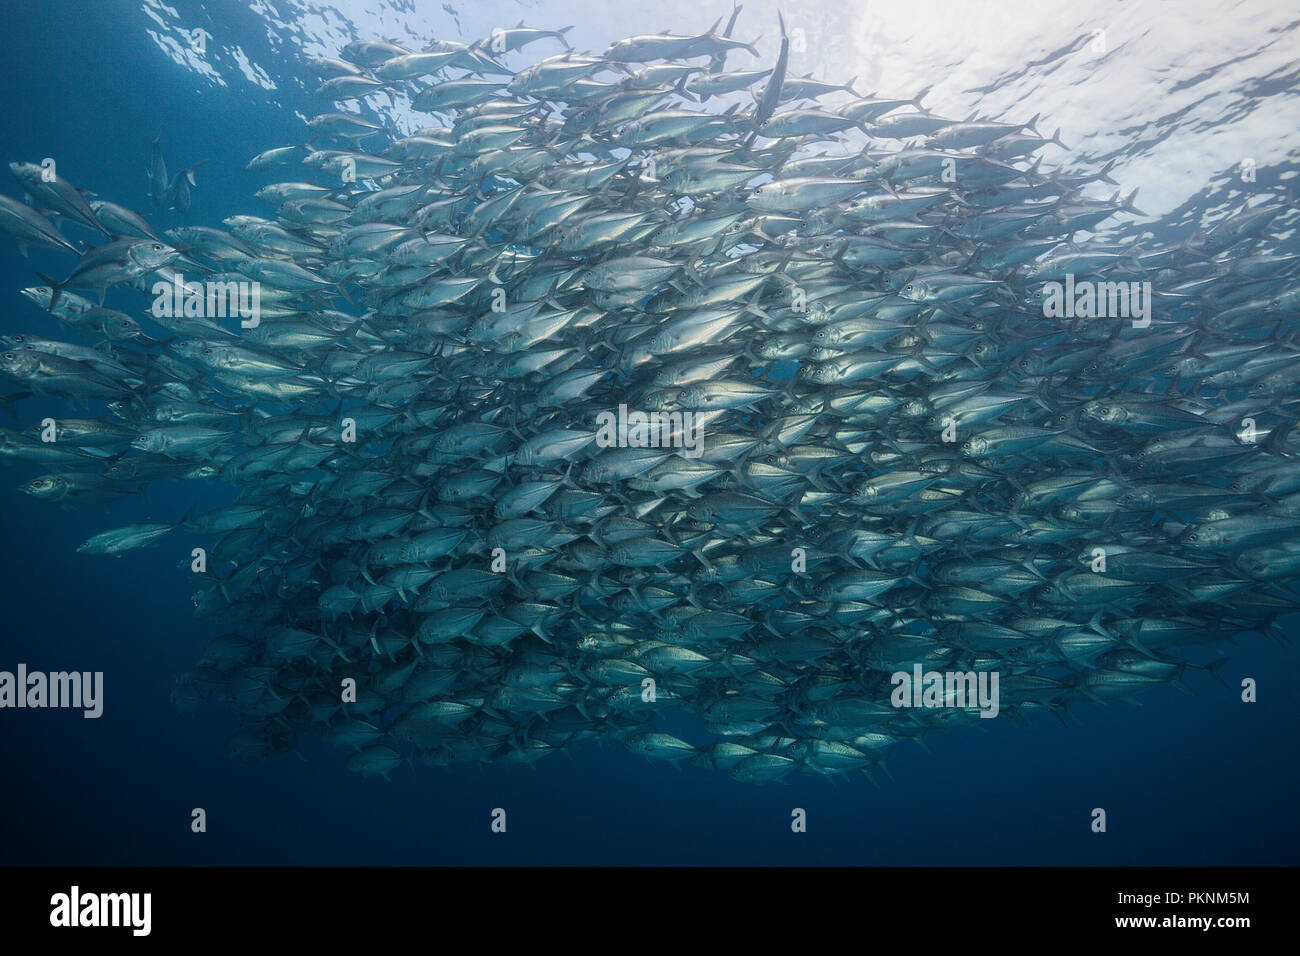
(902, 458)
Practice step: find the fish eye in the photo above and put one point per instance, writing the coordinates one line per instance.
(908, 287)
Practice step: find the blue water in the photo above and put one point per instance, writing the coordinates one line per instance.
(1202, 779)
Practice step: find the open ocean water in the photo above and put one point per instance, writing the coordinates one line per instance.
(1185, 93)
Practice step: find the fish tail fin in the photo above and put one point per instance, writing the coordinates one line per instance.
(1128, 206)
(1074, 718)
(816, 479)
(1057, 716)
(793, 510)
(1214, 667)
(7, 403)
(56, 289)
(680, 89)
